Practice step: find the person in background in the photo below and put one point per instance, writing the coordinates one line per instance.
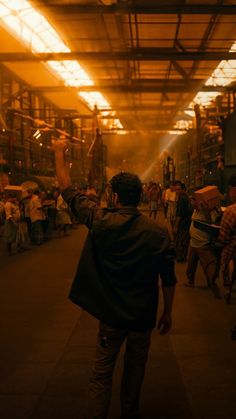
(227, 237)
(37, 217)
(164, 201)
(49, 207)
(154, 198)
(184, 211)
(170, 201)
(44, 204)
(117, 282)
(13, 233)
(108, 195)
(26, 211)
(144, 197)
(92, 194)
(200, 249)
(63, 216)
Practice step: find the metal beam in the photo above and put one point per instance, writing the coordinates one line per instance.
(133, 84)
(138, 54)
(154, 9)
(180, 70)
(142, 108)
(73, 113)
(139, 88)
(153, 128)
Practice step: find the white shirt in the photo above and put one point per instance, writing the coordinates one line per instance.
(36, 211)
(198, 238)
(12, 211)
(61, 204)
(170, 196)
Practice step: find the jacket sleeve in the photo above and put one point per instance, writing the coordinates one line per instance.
(166, 255)
(167, 267)
(84, 210)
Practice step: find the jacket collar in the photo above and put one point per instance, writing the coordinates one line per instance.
(127, 210)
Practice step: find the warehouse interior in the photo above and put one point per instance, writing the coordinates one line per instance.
(134, 85)
(144, 86)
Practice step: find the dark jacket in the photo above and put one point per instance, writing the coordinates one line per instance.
(124, 253)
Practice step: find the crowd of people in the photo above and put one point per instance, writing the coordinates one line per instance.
(39, 216)
(214, 249)
(32, 218)
(117, 282)
(123, 255)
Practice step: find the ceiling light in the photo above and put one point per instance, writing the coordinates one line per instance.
(223, 75)
(190, 112)
(177, 132)
(37, 134)
(38, 35)
(182, 124)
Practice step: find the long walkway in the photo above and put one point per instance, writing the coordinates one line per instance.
(47, 345)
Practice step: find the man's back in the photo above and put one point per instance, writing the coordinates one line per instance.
(115, 255)
(129, 251)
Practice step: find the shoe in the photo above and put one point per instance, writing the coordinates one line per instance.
(189, 284)
(214, 288)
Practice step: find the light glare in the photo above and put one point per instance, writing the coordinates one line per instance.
(39, 36)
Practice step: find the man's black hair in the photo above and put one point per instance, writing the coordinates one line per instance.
(128, 188)
(232, 180)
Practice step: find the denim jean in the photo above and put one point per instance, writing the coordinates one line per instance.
(135, 358)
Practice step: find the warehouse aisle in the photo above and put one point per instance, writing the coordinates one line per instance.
(47, 346)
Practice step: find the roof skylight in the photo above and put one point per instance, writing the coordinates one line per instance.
(38, 35)
(223, 75)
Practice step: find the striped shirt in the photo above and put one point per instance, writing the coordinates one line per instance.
(228, 234)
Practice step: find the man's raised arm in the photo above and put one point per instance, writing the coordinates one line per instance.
(62, 168)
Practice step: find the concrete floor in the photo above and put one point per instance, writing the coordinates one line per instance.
(47, 345)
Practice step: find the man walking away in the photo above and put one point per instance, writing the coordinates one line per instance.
(117, 282)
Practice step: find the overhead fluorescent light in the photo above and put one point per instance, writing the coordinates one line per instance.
(19, 17)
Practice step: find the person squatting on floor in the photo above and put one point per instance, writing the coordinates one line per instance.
(117, 282)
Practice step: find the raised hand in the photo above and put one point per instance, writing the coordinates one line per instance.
(60, 145)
